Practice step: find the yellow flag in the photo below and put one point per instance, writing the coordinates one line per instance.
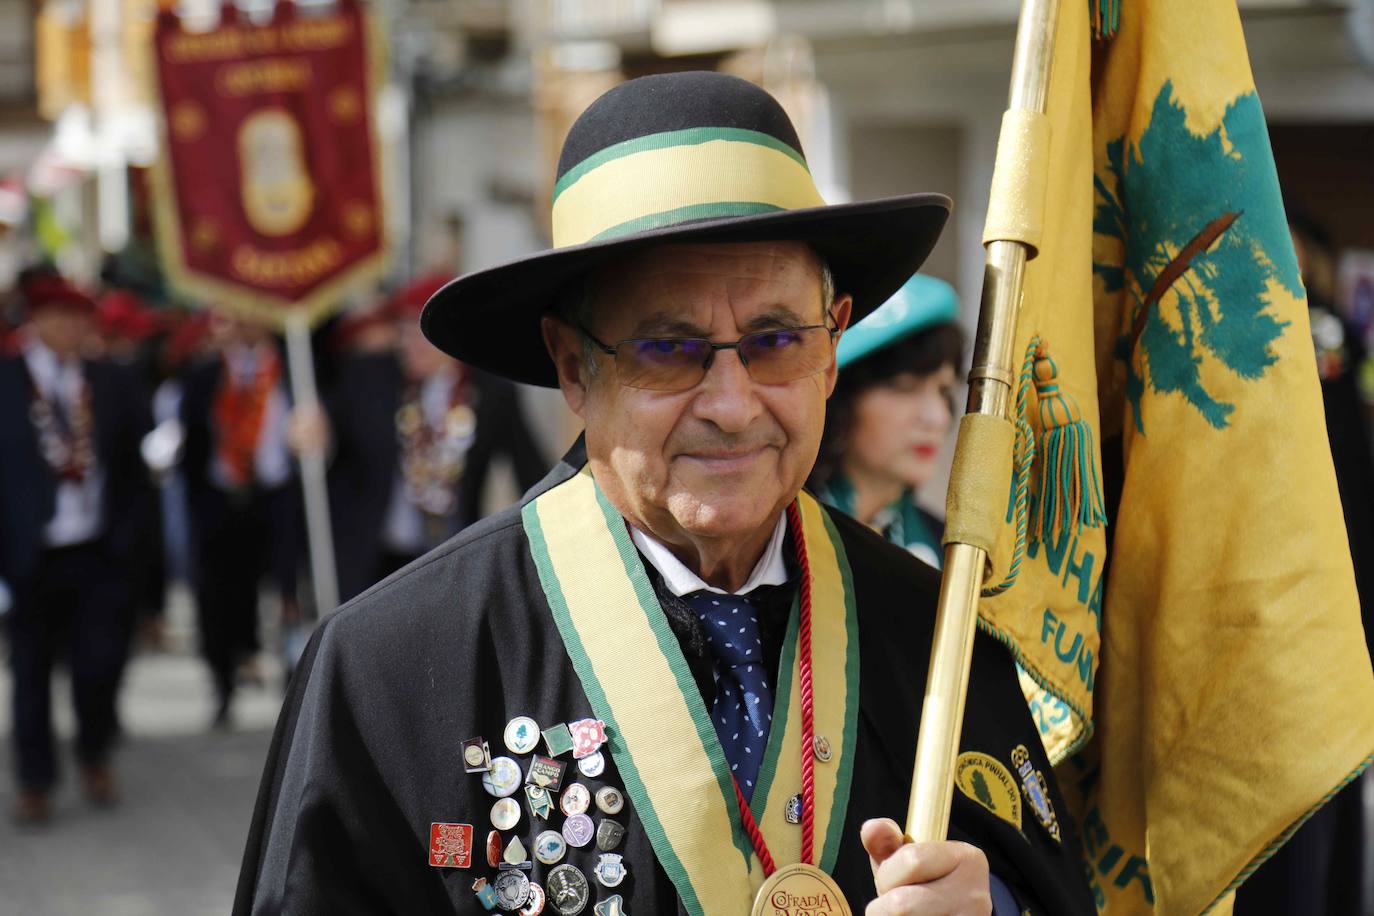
(1197, 666)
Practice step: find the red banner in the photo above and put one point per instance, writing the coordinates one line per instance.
(268, 196)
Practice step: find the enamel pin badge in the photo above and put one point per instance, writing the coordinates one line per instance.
(609, 833)
(540, 801)
(476, 755)
(545, 772)
(610, 869)
(558, 740)
(486, 894)
(611, 906)
(450, 845)
(587, 735)
(1036, 792)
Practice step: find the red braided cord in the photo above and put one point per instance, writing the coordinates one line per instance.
(751, 827)
(808, 761)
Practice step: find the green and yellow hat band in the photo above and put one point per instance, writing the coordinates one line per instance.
(675, 177)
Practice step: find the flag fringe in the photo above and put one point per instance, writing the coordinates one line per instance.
(1267, 852)
(1084, 722)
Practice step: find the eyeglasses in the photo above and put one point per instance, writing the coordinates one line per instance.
(678, 363)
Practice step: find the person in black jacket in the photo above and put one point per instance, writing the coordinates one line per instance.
(75, 502)
(243, 496)
(414, 435)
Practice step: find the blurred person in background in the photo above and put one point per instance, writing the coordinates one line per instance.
(131, 330)
(891, 414)
(242, 493)
(413, 435)
(131, 333)
(75, 506)
(184, 345)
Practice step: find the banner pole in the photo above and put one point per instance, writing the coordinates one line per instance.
(319, 534)
(1014, 217)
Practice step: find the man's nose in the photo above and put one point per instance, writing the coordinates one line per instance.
(727, 398)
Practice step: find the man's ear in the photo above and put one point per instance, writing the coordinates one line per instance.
(840, 311)
(560, 339)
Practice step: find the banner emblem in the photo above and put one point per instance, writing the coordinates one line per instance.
(268, 192)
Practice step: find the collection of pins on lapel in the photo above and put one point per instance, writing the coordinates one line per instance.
(546, 784)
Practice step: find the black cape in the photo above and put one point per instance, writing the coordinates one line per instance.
(367, 754)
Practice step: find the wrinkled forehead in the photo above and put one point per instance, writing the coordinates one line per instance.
(695, 281)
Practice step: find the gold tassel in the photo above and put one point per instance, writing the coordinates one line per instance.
(1106, 18)
(1070, 495)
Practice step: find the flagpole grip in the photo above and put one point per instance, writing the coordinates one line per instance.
(991, 381)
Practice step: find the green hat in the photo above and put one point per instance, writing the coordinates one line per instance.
(921, 303)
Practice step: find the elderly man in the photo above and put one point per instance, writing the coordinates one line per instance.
(670, 678)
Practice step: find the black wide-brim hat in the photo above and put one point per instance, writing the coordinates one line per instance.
(679, 157)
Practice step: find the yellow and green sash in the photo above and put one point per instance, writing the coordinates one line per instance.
(659, 730)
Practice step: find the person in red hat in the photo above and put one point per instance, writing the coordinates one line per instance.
(414, 434)
(126, 323)
(75, 501)
(130, 332)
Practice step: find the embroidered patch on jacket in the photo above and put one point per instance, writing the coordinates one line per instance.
(986, 780)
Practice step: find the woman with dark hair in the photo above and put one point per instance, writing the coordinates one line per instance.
(890, 414)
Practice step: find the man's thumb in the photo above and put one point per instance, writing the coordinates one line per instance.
(881, 838)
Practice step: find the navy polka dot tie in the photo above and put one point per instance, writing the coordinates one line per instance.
(743, 709)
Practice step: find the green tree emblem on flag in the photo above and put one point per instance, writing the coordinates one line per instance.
(1201, 221)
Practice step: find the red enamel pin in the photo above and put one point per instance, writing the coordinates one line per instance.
(494, 848)
(450, 845)
(588, 735)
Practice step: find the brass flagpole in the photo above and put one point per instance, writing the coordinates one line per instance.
(981, 475)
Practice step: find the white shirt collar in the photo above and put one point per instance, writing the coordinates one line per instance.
(771, 569)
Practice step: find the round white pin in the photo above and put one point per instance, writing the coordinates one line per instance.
(505, 814)
(610, 800)
(503, 778)
(576, 799)
(522, 735)
(592, 766)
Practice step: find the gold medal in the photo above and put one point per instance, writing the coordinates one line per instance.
(794, 890)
